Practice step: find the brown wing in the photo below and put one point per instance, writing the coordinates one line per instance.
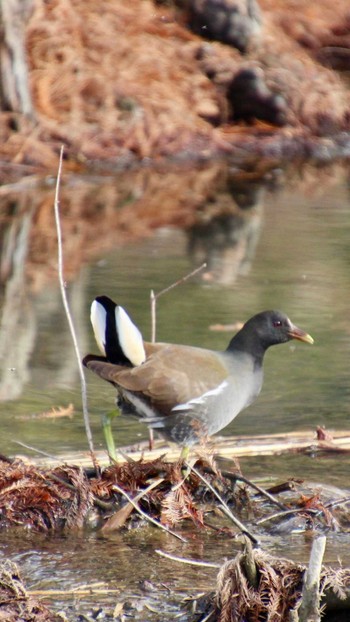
(171, 374)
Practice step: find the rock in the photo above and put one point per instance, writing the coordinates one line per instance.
(235, 22)
(250, 98)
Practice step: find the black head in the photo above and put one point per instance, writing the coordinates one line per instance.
(267, 329)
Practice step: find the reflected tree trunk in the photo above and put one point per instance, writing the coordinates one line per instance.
(14, 81)
(68, 373)
(62, 360)
(18, 323)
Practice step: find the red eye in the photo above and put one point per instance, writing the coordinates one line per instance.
(277, 323)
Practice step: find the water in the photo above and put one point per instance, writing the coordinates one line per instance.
(278, 243)
(289, 251)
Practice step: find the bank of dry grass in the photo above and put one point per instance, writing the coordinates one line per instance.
(121, 82)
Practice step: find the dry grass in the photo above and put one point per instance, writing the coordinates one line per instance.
(121, 82)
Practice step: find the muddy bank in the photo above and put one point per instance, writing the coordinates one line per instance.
(124, 83)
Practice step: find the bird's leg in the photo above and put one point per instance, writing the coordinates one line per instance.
(185, 452)
(107, 431)
(185, 469)
(186, 466)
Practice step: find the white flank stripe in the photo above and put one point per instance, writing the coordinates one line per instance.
(98, 316)
(202, 398)
(130, 338)
(140, 406)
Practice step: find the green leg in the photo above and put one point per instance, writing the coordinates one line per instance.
(108, 434)
(185, 452)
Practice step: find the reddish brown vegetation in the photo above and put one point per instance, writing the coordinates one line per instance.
(124, 81)
(43, 500)
(277, 592)
(53, 499)
(321, 27)
(16, 604)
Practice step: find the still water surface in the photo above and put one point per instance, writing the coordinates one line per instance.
(282, 243)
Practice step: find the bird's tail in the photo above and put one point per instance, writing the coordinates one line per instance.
(117, 337)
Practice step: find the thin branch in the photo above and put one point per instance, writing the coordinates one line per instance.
(38, 451)
(78, 591)
(263, 492)
(208, 618)
(182, 280)
(154, 297)
(153, 315)
(266, 519)
(239, 477)
(224, 506)
(184, 560)
(333, 504)
(145, 515)
(115, 521)
(68, 313)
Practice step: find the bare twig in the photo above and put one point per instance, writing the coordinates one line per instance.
(78, 591)
(209, 617)
(145, 515)
(239, 477)
(266, 519)
(262, 491)
(224, 506)
(154, 297)
(333, 504)
(39, 451)
(153, 315)
(114, 522)
(184, 560)
(68, 313)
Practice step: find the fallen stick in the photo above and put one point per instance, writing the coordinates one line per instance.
(309, 610)
(225, 507)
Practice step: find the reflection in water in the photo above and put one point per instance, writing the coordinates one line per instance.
(21, 312)
(144, 230)
(18, 320)
(301, 265)
(226, 230)
(222, 214)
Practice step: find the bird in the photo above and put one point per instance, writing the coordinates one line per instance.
(186, 393)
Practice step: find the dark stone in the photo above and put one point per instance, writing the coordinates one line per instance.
(250, 98)
(235, 22)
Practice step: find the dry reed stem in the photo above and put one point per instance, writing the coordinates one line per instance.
(39, 451)
(145, 515)
(224, 506)
(68, 313)
(184, 560)
(154, 297)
